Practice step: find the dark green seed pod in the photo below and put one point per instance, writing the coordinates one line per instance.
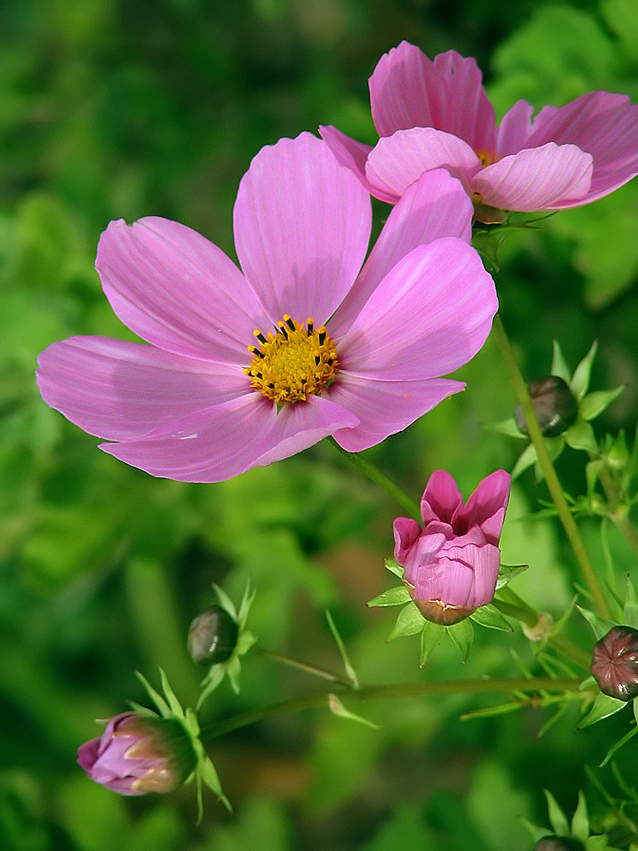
(212, 636)
(554, 404)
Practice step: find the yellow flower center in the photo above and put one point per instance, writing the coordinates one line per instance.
(487, 157)
(293, 362)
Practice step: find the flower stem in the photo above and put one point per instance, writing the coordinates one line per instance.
(394, 690)
(551, 479)
(302, 666)
(381, 479)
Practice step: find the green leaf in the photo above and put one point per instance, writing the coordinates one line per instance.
(616, 747)
(170, 696)
(430, 638)
(409, 622)
(603, 707)
(393, 567)
(225, 601)
(557, 817)
(581, 436)
(599, 625)
(559, 365)
(350, 671)
(397, 596)
(337, 708)
(595, 403)
(525, 459)
(507, 572)
(582, 373)
(507, 427)
(462, 634)
(580, 820)
(630, 610)
(490, 617)
(155, 696)
(210, 683)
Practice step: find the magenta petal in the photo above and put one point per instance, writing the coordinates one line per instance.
(515, 129)
(536, 178)
(441, 498)
(406, 531)
(429, 315)
(119, 390)
(88, 753)
(486, 507)
(602, 124)
(384, 407)
(352, 155)
(435, 206)
(177, 290)
(302, 224)
(408, 90)
(397, 161)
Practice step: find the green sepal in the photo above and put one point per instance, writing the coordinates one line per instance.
(462, 634)
(507, 572)
(507, 427)
(397, 596)
(582, 374)
(630, 609)
(559, 364)
(430, 637)
(490, 617)
(557, 817)
(599, 625)
(351, 674)
(233, 669)
(162, 706)
(391, 565)
(580, 819)
(409, 622)
(581, 436)
(603, 707)
(210, 682)
(595, 403)
(337, 708)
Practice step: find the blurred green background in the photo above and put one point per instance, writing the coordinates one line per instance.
(114, 109)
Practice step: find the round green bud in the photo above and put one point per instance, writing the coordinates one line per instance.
(212, 636)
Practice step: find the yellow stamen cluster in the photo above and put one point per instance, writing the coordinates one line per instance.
(292, 363)
(487, 157)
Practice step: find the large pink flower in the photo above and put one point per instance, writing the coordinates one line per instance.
(451, 562)
(246, 369)
(436, 114)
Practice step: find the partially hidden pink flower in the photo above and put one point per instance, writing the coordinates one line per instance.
(248, 367)
(136, 755)
(451, 561)
(433, 114)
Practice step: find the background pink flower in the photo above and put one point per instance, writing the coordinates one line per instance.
(451, 562)
(246, 369)
(432, 114)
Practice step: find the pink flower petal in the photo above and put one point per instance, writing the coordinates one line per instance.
(302, 224)
(408, 90)
(486, 507)
(120, 391)
(536, 178)
(177, 290)
(515, 129)
(384, 407)
(406, 531)
(441, 498)
(435, 206)
(429, 315)
(602, 124)
(399, 160)
(352, 155)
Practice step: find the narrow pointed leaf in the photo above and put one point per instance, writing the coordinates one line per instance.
(409, 622)
(557, 817)
(580, 820)
(337, 708)
(462, 634)
(582, 373)
(630, 611)
(393, 567)
(603, 707)
(507, 572)
(595, 403)
(397, 596)
(430, 637)
(490, 617)
(559, 365)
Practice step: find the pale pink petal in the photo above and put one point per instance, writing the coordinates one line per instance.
(406, 531)
(486, 507)
(482, 563)
(536, 178)
(384, 407)
(446, 580)
(515, 129)
(441, 498)
(302, 224)
(408, 90)
(119, 390)
(435, 206)
(177, 290)
(397, 161)
(352, 155)
(430, 315)
(602, 124)
(423, 561)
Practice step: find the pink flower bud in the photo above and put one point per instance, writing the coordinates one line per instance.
(451, 563)
(136, 755)
(615, 663)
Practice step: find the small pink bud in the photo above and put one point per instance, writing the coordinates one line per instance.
(136, 755)
(451, 562)
(615, 663)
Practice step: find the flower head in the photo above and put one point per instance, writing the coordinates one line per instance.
(451, 562)
(248, 367)
(432, 114)
(614, 663)
(137, 754)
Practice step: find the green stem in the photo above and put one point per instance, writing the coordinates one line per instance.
(551, 479)
(381, 479)
(385, 692)
(302, 666)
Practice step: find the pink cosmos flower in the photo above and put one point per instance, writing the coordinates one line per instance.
(451, 563)
(247, 369)
(136, 755)
(436, 114)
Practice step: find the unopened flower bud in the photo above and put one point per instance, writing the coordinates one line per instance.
(137, 754)
(615, 663)
(212, 636)
(554, 404)
(558, 843)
